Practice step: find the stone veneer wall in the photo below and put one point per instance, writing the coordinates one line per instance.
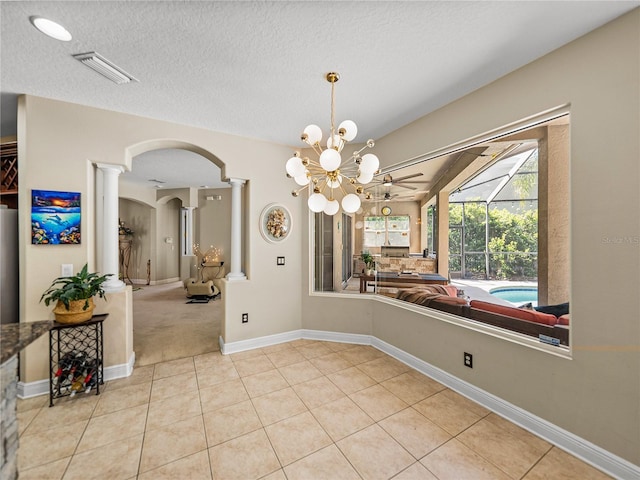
(404, 264)
(8, 420)
(397, 264)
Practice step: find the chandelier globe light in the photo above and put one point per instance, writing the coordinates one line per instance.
(330, 172)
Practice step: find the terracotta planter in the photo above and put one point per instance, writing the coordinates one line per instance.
(75, 314)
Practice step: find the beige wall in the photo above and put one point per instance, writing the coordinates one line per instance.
(596, 394)
(213, 221)
(155, 215)
(59, 143)
(137, 216)
(168, 241)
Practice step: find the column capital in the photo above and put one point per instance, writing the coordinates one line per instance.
(114, 168)
(236, 181)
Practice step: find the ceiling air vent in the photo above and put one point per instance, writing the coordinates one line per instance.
(104, 67)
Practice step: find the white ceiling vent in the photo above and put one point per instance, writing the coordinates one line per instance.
(104, 67)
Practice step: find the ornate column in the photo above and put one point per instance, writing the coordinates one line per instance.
(110, 247)
(235, 268)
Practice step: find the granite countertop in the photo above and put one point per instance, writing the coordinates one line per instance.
(16, 336)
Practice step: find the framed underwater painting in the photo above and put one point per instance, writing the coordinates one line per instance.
(55, 217)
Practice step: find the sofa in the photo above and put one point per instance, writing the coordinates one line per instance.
(527, 321)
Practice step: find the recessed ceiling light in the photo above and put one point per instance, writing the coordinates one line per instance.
(51, 28)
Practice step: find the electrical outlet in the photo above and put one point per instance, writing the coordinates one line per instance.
(245, 318)
(468, 360)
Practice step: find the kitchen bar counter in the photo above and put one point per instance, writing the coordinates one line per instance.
(16, 336)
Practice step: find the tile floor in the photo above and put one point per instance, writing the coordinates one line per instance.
(300, 410)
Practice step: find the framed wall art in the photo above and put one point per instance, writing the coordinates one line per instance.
(55, 217)
(275, 223)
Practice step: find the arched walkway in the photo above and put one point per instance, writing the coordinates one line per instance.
(165, 327)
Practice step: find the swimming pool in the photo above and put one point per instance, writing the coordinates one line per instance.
(517, 294)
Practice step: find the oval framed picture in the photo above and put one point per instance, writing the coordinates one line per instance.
(386, 210)
(275, 223)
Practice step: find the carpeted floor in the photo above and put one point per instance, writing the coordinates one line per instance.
(166, 328)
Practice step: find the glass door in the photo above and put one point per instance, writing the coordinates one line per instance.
(347, 250)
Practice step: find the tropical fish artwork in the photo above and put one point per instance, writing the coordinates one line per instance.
(55, 217)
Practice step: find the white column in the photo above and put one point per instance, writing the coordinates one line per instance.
(235, 270)
(110, 250)
(186, 231)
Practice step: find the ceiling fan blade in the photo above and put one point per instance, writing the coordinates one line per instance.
(396, 180)
(404, 186)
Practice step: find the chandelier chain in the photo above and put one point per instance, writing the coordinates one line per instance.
(333, 86)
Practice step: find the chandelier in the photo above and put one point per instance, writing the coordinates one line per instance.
(329, 173)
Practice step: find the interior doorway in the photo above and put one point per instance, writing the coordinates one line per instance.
(323, 253)
(347, 250)
(161, 184)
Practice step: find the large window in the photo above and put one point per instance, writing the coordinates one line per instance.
(493, 220)
(493, 216)
(392, 230)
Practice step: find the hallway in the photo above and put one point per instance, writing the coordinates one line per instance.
(166, 328)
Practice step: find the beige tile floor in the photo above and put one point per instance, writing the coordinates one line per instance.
(300, 410)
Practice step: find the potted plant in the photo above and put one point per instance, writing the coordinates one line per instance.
(369, 263)
(74, 295)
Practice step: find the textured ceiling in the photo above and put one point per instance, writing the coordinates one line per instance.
(256, 69)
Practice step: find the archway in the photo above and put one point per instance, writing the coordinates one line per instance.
(165, 326)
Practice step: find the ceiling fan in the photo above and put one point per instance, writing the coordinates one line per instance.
(387, 196)
(389, 181)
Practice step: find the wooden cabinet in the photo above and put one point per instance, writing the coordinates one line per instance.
(9, 169)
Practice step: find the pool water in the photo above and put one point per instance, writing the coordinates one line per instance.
(517, 295)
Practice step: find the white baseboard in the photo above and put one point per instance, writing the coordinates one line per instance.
(243, 345)
(567, 441)
(164, 281)
(590, 453)
(33, 389)
(41, 387)
(355, 338)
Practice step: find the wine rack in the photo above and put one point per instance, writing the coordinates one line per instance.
(76, 358)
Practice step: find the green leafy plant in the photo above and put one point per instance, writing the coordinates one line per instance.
(512, 241)
(368, 260)
(81, 286)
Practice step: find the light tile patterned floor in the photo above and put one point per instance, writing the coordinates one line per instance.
(301, 410)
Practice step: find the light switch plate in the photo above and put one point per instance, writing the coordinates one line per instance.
(280, 261)
(66, 270)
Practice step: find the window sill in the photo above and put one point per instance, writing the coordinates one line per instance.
(513, 337)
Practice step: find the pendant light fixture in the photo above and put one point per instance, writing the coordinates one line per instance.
(330, 174)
